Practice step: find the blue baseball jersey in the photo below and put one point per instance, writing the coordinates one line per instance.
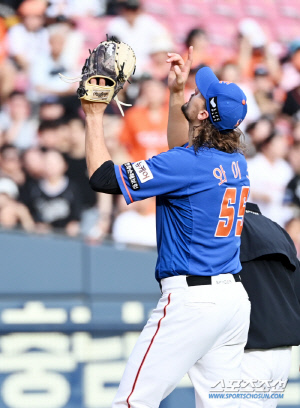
(200, 205)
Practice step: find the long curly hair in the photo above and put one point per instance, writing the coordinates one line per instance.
(208, 136)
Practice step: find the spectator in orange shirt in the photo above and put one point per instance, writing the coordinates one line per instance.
(3, 48)
(144, 131)
(255, 50)
(7, 70)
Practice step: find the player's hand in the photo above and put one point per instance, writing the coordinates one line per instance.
(94, 108)
(179, 71)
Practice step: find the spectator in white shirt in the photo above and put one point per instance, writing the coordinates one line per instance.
(17, 122)
(291, 69)
(136, 225)
(269, 174)
(44, 76)
(75, 8)
(29, 39)
(137, 29)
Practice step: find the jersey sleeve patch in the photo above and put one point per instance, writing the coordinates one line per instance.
(131, 176)
(142, 170)
(122, 184)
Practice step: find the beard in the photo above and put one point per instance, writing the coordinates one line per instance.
(184, 109)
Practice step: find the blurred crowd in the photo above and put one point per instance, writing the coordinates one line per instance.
(43, 177)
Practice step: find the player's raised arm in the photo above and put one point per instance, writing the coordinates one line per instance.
(177, 124)
(100, 83)
(96, 150)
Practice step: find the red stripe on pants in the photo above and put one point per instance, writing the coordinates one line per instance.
(148, 349)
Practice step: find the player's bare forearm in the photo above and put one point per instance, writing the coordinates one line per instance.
(178, 75)
(177, 124)
(95, 147)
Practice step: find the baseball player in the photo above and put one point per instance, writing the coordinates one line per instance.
(271, 276)
(201, 322)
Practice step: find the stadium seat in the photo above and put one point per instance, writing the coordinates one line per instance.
(194, 8)
(164, 8)
(287, 29)
(222, 31)
(227, 8)
(163, 11)
(260, 9)
(289, 8)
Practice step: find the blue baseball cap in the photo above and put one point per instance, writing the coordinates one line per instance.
(226, 103)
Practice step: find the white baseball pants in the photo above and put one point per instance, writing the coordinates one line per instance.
(201, 330)
(273, 364)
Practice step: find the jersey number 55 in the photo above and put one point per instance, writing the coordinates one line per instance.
(227, 212)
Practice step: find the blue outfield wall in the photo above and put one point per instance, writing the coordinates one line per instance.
(70, 315)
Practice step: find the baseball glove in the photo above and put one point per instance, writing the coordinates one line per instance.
(111, 60)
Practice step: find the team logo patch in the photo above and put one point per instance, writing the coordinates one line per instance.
(238, 123)
(100, 94)
(142, 170)
(213, 104)
(131, 176)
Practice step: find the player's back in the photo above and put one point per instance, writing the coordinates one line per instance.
(199, 230)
